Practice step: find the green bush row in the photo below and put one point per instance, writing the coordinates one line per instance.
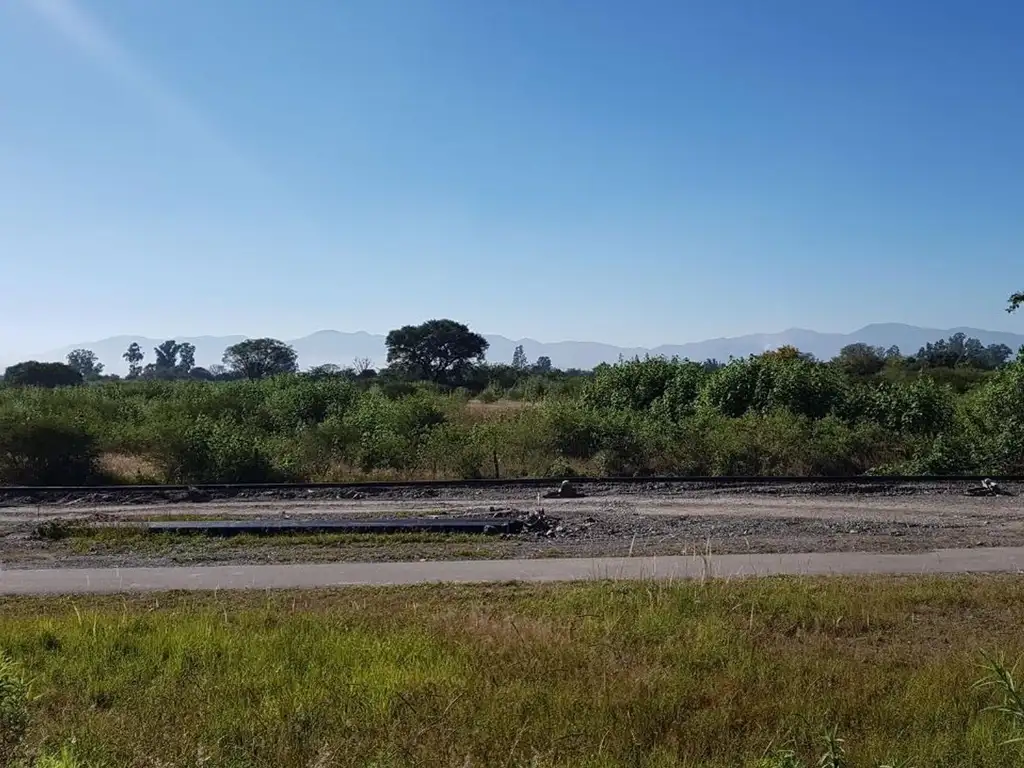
(764, 415)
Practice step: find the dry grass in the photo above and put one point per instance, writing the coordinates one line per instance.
(344, 472)
(129, 468)
(500, 406)
(583, 675)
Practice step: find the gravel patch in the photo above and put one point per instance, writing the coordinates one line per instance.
(646, 519)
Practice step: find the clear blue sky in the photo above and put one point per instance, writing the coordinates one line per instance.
(632, 172)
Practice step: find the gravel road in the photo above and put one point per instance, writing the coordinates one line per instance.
(307, 576)
(646, 520)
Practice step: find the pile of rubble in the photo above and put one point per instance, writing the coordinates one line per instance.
(565, 491)
(988, 487)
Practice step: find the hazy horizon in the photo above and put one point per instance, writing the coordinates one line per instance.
(341, 347)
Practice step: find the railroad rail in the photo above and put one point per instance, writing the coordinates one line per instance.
(533, 482)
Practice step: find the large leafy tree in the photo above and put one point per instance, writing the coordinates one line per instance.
(173, 360)
(166, 355)
(35, 374)
(259, 358)
(85, 362)
(1016, 300)
(442, 351)
(543, 365)
(860, 359)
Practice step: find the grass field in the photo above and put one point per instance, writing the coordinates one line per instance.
(713, 674)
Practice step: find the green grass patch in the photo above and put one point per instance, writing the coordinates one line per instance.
(716, 674)
(119, 539)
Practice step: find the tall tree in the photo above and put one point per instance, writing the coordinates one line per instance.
(519, 361)
(134, 357)
(167, 356)
(85, 362)
(860, 359)
(186, 357)
(1016, 300)
(360, 366)
(442, 351)
(259, 358)
(543, 365)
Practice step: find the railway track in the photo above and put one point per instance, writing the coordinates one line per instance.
(229, 489)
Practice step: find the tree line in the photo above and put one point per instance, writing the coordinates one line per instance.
(440, 351)
(449, 354)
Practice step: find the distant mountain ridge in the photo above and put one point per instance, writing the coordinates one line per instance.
(342, 348)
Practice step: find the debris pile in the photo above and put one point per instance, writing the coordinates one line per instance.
(537, 522)
(565, 491)
(988, 487)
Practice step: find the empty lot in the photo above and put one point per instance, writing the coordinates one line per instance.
(608, 522)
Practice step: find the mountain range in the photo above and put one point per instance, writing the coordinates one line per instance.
(342, 348)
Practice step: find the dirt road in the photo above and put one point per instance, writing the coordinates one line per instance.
(610, 522)
(78, 581)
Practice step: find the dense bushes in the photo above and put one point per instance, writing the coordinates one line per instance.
(35, 374)
(42, 451)
(773, 414)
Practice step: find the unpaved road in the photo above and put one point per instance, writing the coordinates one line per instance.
(614, 521)
(78, 581)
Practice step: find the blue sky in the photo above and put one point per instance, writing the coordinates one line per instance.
(632, 172)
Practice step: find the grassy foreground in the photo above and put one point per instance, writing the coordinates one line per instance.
(714, 674)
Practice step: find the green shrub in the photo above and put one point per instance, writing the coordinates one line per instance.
(992, 420)
(805, 388)
(209, 451)
(491, 394)
(532, 389)
(42, 451)
(294, 401)
(636, 385)
(765, 384)
(321, 446)
(576, 431)
(783, 443)
(918, 407)
(454, 451)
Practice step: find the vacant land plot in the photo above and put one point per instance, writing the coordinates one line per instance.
(600, 674)
(613, 521)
